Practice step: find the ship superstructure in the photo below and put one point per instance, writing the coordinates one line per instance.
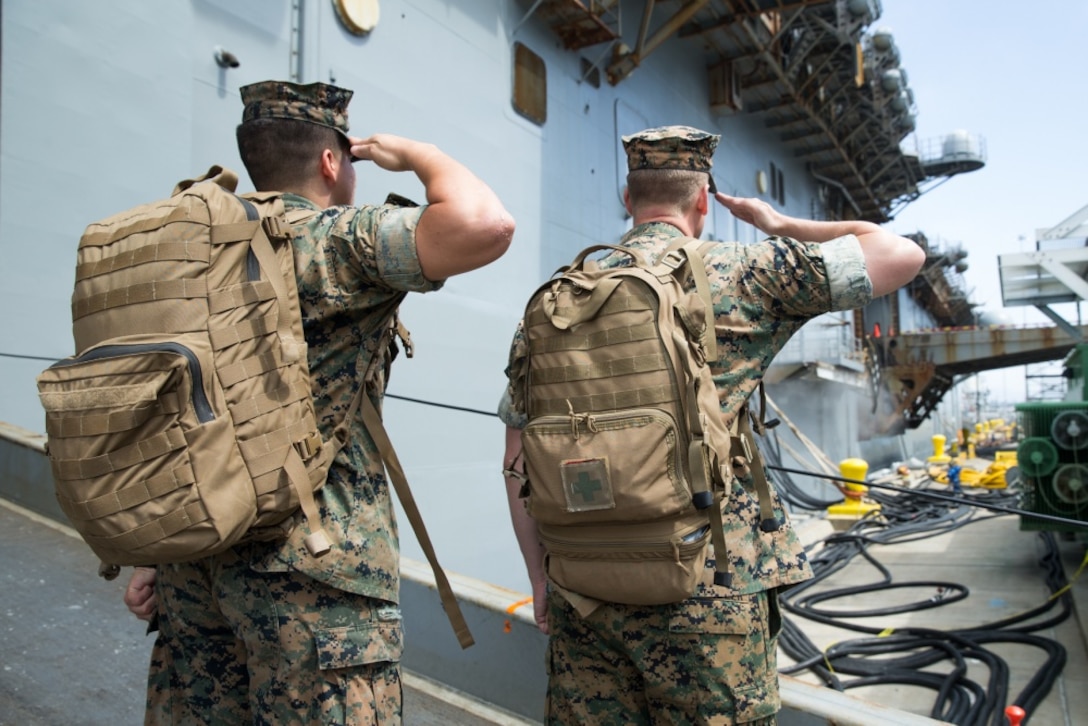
(107, 105)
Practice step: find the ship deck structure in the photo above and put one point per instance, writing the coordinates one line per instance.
(817, 116)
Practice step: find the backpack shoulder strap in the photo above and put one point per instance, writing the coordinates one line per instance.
(377, 431)
(273, 226)
(689, 251)
(361, 402)
(744, 445)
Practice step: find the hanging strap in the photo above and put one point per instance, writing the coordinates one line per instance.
(317, 542)
(690, 249)
(685, 251)
(392, 464)
(767, 520)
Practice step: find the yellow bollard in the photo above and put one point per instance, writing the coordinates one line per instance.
(854, 469)
(852, 508)
(939, 457)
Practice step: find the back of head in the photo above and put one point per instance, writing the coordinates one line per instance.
(286, 126)
(672, 189)
(668, 165)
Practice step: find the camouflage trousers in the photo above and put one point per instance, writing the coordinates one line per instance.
(236, 646)
(700, 661)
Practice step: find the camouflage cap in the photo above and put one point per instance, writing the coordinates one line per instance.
(318, 103)
(671, 147)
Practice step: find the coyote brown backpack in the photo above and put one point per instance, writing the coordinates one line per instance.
(185, 422)
(628, 459)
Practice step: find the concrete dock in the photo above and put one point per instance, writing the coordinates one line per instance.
(72, 654)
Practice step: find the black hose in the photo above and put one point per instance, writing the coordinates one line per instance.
(932, 659)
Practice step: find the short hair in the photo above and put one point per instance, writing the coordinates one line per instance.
(674, 188)
(281, 154)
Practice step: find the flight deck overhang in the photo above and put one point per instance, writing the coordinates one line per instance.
(1044, 277)
(834, 94)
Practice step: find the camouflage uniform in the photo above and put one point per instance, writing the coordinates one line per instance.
(266, 633)
(711, 658)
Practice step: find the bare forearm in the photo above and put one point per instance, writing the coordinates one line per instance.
(525, 529)
(465, 218)
(890, 260)
(810, 230)
(532, 551)
(770, 221)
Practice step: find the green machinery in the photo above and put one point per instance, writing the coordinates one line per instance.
(1053, 455)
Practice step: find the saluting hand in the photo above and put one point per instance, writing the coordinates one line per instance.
(392, 153)
(755, 212)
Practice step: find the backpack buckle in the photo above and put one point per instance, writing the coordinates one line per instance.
(672, 259)
(310, 446)
(274, 227)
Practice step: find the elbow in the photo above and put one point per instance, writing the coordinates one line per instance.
(916, 258)
(499, 236)
(895, 266)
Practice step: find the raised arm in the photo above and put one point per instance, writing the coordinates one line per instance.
(891, 261)
(465, 225)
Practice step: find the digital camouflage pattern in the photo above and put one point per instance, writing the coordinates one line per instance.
(671, 147)
(323, 634)
(705, 660)
(354, 265)
(318, 103)
(266, 633)
(236, 646)
(763, 293)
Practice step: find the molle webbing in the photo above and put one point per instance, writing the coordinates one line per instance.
(142, 451)
(648, 363)
(223, 301)
(190, 398)
(139, 293)
(625, 321)
(129, 497)
(149, 218)
(166, 252)
(607, 401)
(625, 432)
(600, 339)
(150, 533)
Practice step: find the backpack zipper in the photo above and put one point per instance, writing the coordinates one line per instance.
(201, 407)
(677, 546)
(253, 267)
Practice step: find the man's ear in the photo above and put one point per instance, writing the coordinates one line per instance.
(627, 200)
(702, 201)
(329, 166)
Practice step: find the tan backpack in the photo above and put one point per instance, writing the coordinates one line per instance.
(628, 458)
(185, 423)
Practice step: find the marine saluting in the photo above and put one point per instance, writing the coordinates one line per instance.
(654, 545)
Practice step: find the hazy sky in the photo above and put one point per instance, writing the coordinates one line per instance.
(1017, 75)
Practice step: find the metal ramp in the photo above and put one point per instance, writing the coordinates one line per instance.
(1056, 272)
(918, 368)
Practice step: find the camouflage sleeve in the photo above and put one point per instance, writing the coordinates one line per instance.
(382, 240)
(851, 287)
(791, 279)
(512, 404)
